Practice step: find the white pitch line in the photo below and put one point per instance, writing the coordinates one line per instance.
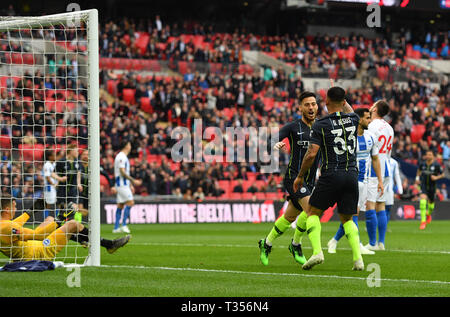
(255, 246)
(267, 273)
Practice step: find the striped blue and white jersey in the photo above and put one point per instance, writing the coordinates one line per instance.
(49, 168)
(366, 148)
(121, 161)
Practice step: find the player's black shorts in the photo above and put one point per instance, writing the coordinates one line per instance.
(295, 196)
(339, 187)
(84, 201)
(430, 192)
(63, 198)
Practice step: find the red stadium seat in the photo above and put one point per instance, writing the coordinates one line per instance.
(416, 54)
(323, 94)
(16, 58)
(31, 152)
(28, 58)
(247, 196)
(5, 142)
(128, 95)
(60, 131)
(246, 184)
(272, 196)
(225, 185)
(341, 53)
(251, 176)
(127, 39)
(60, 106)
(104, 182)
(182, 68)
(260, 196)
(142, 41)
(145, 105)
(235, 196)
(417, 132)
(268, 104)
(49, 104)
(112, 87)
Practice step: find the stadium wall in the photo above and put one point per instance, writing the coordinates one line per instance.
(220, 211)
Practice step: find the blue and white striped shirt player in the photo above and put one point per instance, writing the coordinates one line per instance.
(49, 187)
(366, 148)
(123, 185)
(121, 161)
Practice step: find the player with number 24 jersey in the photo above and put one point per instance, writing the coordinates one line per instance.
(383, 136)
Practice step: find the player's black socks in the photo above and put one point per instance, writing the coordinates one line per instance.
(83, 237)
(106, 243)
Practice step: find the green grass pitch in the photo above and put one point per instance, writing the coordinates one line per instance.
(209, 260)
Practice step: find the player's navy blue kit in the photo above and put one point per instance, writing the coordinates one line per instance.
(84, 195)
(299, 135)
(427, 186)
(338, 183)
(67, 191)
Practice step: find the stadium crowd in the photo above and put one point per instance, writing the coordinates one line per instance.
(194, 42)
(232, 100)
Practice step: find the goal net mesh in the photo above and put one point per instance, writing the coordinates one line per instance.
(44, 81)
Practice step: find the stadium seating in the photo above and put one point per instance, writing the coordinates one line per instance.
(129, 95)
(145, 105)
(31, 152)
(417, 132)
(5, 142)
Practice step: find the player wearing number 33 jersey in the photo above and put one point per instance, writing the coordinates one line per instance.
(336, 136)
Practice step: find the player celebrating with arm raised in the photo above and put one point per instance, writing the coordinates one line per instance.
(376, 210)
(366, 152)
(123, 182)
(335, 136)
(298, 134)
(428, 173)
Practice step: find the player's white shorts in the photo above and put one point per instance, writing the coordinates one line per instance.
(50, 197)
(372, 193)
(362, 195)
(390, 198)
(124, 194)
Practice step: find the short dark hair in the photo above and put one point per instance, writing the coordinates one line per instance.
(123, 144)
(336, 94)
(382, 108)
(361, 111)
(6, 201)
(49, 152)
(306, 94)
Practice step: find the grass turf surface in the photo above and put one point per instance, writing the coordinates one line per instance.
(209, 260)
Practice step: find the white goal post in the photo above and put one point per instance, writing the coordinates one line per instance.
(84, 53)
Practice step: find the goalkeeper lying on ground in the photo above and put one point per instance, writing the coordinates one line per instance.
(44, 242)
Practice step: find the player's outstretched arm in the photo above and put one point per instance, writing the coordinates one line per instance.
(57, 177)
(377, 168)
(418, 176)
(133, 181)
(437, 177)
(38, 205)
